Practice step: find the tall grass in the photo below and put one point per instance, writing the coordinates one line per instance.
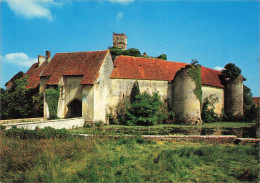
(124, 160)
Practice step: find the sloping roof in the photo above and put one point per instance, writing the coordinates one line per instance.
(210, 77)
(127, 67)
(33, 73)
(86, 64)
(256, 101)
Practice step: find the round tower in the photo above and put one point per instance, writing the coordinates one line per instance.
(186, 104)
(234, 96)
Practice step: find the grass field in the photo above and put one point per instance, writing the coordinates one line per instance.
(124, 160)
(166, 129)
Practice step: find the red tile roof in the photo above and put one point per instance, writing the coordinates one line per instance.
(210, 77)
(256, 101)
(33, 73)
(86, 64)
(127, 67)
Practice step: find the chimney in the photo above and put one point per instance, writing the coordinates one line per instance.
(48, 56)
(40, 60)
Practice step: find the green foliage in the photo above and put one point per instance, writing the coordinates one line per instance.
(122, 111)
(21, 102)
(228, 116)
(132, 52)
(118, 51)
(208, 114)
(144, 110)
(194, 62)
(19, 75)
(230, 71)
(52, 98)
(45, 133)
(162, 56)
(134, 92)
(99, 123)
(251, 111)
(195, 73)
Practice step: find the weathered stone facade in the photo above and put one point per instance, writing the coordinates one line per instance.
(216, 92)
(185, 103)
(234, 96)
(91, 84)
(120, 41)
(120, 88)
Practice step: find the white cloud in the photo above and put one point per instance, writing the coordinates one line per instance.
(32, 8)
(218, 68)
(18, 58)
(119, 16)
(122, 1)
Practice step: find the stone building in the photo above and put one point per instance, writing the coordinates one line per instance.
(91, 84)
(120, 41)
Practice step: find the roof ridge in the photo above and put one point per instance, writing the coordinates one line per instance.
(211, 69)
(152, 59)
(83, 51)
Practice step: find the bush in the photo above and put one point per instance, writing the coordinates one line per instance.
(145, 110)
(99, 123)
(134, 92)
(52, 97)
(45, 133)
(162, 56)
(20, 101)
(208, 114)
(251, 111)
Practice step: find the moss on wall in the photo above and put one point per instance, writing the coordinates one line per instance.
(52, 98)
(195, 73)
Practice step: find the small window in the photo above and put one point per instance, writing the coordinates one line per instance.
(123, 95)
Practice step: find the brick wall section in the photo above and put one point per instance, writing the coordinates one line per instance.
(234, 96)
(185, 103)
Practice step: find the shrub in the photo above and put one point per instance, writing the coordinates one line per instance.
(122, 109)
(162, 56)
(20, 101)
(99, 123)
(208, 114)
(52, 97)
(45, 133)
(141, 109)
(134, 92)
(251, 111)
(146, 110)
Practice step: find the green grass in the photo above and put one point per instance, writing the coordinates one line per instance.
(124, 160)
(163, 129)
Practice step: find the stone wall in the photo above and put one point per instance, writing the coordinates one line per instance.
(121, 88)
(218, 92)
(120, 41)
(102, 90)
(88, 102)
(234, 96)
(57, 124)
(70, 89)
(185, 103)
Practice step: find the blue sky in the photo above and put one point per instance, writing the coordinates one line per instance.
(213, 32)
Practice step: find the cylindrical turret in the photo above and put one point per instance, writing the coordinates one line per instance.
(234, 96)
(186, 105)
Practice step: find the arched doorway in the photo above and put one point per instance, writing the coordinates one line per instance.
(74, 109)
